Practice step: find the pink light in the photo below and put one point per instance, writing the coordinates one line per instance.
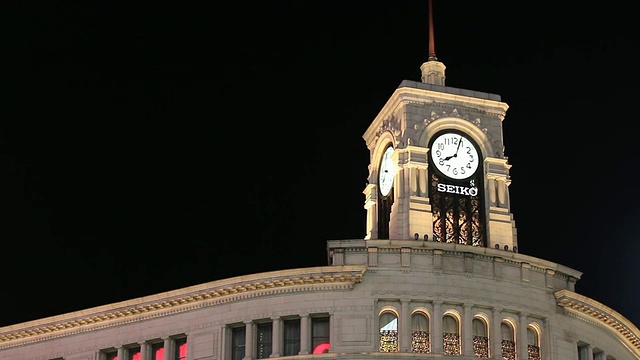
(183, 351)
(136, 356)
(322, 348)
(159, 355)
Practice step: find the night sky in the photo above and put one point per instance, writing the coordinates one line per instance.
(146, 147)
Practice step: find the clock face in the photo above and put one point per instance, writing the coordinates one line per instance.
(386, 172)
(454, 155)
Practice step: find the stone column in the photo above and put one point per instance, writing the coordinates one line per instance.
(248, 340)
(332, 331)
(502, 193)
(467, 331)
(522, 344)
(144, 351)
(413, 180)
(491, 186)
(276, 339)
(305, 334)
(589, 352)
(496, 338)
(225, 344)
(405, 326)
(545, 340)
(436, 337)
(121, 353)
(168, 348)
(424, 188)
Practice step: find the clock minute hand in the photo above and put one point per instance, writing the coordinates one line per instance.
(458, 148)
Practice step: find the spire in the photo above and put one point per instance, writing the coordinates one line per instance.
(432, 70)
(432, 46)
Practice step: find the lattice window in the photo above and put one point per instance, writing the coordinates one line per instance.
(420, 342)
(534, 352)
(389, 332)
(388, 341)
(533, 344)
(481, 346)
(508, 350)
(457, 218)
(420, 333)
(451, 344)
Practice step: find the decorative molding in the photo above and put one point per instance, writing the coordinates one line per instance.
(454, 113)
(338, 280)
(593, 312)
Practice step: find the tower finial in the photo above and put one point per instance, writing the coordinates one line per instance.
(432, 70)
(432, 46)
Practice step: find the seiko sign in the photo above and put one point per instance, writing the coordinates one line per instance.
(456, 189)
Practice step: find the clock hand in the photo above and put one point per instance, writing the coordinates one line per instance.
(458, 148)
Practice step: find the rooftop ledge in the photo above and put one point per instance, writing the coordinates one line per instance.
(459, 248)
(449, 90)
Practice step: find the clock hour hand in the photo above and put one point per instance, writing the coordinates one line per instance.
(457, 149)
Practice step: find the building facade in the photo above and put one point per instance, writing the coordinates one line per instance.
(437, 275)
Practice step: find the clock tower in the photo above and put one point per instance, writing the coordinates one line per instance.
(437, 166)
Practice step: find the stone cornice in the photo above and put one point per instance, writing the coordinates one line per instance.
(419, 246)
(599, 314)
(329, 278)
(443, 97)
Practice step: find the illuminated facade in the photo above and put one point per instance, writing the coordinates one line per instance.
(437, 275)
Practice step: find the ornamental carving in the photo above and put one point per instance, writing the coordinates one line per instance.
(188, 302)
(477, 122)
(392, 125)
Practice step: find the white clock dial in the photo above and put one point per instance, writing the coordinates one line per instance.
(386, 173)
(454, 155)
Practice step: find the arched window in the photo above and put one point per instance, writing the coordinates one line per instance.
(480, 338)
(388, 332)
(508, 341)
(420, 333)
(533, 343)
(451, 335)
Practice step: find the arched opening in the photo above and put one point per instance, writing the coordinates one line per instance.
(480, 338)
(533, 343)
(420, 333)
(451, 335)
(388, 332)
(508, 341)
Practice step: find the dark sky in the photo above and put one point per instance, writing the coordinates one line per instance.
(146, 147)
